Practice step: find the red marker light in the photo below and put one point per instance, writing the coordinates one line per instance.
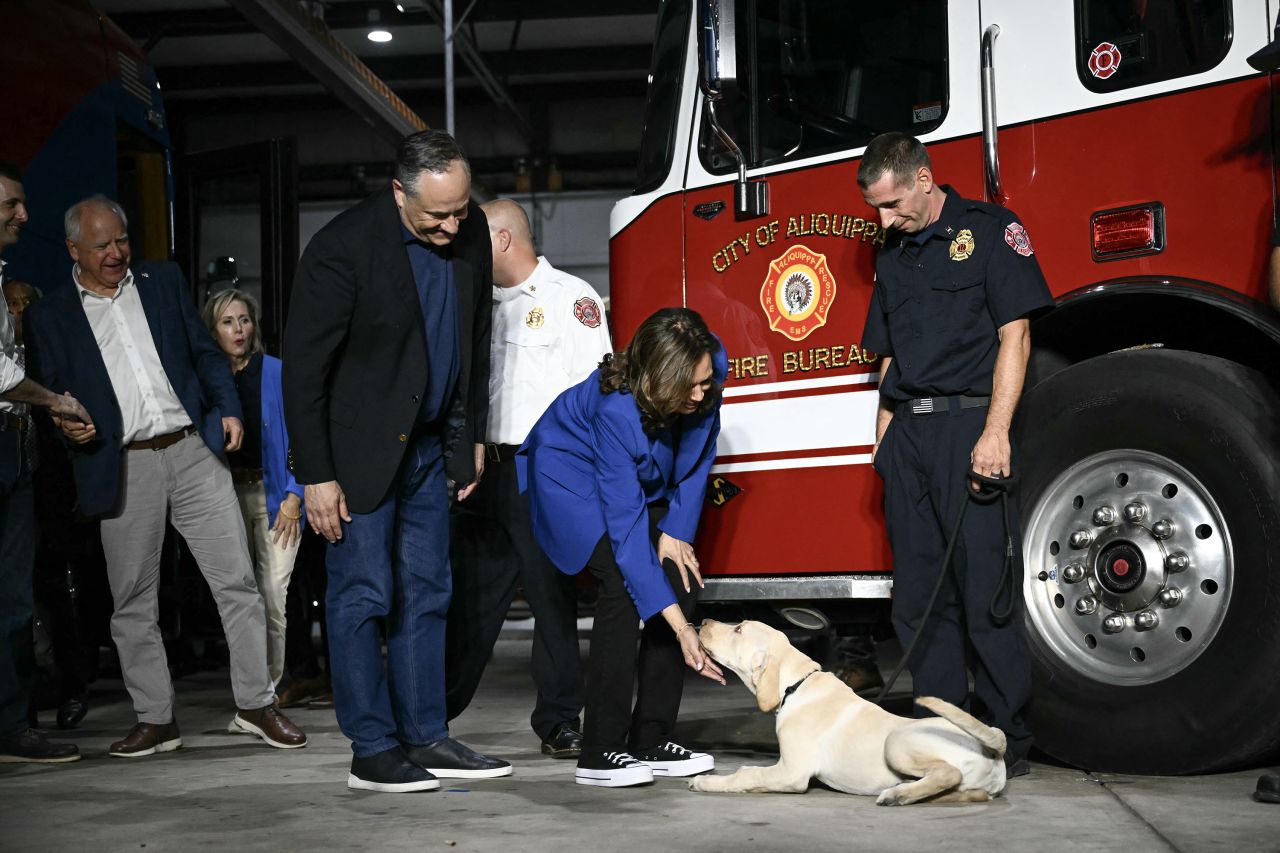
(1127, 232)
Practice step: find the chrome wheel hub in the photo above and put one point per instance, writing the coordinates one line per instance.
(1128, 567)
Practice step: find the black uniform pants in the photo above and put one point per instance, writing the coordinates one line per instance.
(614, 669)
(492, 546)
(924, 460)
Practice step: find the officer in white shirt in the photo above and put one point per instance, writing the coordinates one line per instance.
(18, 742)
(549, 333)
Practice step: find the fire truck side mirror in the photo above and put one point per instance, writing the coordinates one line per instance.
(717, 49)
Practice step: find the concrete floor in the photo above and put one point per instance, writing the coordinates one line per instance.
(226, 792)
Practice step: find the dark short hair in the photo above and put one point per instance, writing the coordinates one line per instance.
(10, 171)
(657, 367)
(431, 151)
(899, 154)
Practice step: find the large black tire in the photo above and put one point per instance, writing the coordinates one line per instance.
(1200, 690)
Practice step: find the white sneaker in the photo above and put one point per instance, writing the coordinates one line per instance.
(611, 770)
(672, 759)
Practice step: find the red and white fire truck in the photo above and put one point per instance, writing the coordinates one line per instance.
(1138, 148)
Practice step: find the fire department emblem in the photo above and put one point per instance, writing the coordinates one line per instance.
(962, 246)
(1104, 61)
(535, 318)
(798, 292)
(1018, 239)
(587, 312)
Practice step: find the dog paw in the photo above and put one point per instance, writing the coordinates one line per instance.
(888, 798)
(697, 784)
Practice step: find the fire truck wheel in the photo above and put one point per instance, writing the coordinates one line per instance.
(1150, 506)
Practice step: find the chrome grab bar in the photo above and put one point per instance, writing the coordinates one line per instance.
(990, 143)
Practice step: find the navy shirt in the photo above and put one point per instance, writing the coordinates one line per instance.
(939, 301)
(437, 295)
(249, 389)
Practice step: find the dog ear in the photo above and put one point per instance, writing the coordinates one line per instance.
(764, 674)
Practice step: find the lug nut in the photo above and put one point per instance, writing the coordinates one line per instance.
(1073, 573)
(1086, 605)
(1114, 624)
(1104, 515)
(1146, 620)
(1135, 512)
(1081, 539)
(1162, 529)
(1171, 597)
(1178, 561)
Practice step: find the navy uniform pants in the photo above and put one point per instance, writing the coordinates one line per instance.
(924, 460)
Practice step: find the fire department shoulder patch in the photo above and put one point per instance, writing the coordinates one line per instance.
(1018, 239)
(587, 310)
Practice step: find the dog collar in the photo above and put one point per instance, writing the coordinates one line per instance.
(786, 694)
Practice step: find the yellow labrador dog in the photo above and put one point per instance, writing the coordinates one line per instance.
(829, 733)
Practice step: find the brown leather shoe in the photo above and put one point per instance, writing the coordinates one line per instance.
(272, 726)
(148, 739)
(303, 690)
(861, 680)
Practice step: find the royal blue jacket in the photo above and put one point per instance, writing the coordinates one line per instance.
(277, 479)
(589, 469)
(63, 355)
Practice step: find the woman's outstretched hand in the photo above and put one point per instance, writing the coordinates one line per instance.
(681, 553)
(695, 656)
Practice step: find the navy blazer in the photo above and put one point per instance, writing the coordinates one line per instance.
(63, 355)
(589, 468)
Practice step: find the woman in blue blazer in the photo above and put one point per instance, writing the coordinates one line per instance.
(615, 472)
(270, 498)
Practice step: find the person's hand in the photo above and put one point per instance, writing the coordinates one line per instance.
(77, 431)
(992, 456)
(68, 408)
(465, 491)
(681, 553)
(288, 526)
(326, 509)
(695, 656)
(233, 432)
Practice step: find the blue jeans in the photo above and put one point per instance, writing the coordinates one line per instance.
(17, 562)
(390, 574)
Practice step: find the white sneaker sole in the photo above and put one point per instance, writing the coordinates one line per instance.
(356, 783)
(250, 729)
(166, 746)
(614, 778)
(448, 773)
(688, 767)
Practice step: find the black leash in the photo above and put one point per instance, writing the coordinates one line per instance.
(990, 489)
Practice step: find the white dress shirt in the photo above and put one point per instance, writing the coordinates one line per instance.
(549, 333)
(148, 404)
(10, 373)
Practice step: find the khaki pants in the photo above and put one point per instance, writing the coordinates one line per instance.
(272, 565)
(192, 487)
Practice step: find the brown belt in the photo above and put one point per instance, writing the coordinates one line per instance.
(160, 442)
(246, 476)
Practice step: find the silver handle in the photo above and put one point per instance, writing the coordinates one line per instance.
(990, 142)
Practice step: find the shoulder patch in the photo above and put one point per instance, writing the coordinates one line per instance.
(587, 310)
(1018, 239)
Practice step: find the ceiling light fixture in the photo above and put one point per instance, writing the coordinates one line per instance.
(376, 33)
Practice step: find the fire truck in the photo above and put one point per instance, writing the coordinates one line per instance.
(1136, 145)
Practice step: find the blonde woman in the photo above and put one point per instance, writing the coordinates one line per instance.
(270, 498)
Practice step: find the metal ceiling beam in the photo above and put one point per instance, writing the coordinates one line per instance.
(310, 43)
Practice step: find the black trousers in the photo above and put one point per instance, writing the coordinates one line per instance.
(491, 548)
(924, 460)
(615, 669)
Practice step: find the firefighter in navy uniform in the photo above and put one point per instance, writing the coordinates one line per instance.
(956, 282)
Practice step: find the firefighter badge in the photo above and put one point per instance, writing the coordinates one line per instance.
(962, 246)
(587, 312)
(797, 292)
(535, 318)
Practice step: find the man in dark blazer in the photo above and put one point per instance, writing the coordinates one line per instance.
(386, 371)
(126, 340)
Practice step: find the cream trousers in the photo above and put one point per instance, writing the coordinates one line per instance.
(272, 565)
